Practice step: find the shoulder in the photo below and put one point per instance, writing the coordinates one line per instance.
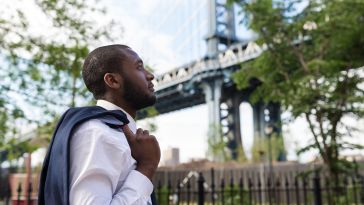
(96, 130)
(91, 125)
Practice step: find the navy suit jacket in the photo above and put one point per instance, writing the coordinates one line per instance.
(54, 179)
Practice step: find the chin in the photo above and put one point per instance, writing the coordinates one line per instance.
(153, 100)
(148, 101)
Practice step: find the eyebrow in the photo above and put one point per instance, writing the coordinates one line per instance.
(139, 61)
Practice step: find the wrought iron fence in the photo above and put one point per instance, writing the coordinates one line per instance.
(247, 189)
(258, 188)
(23, 195)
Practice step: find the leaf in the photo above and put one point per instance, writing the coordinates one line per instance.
(304, 69)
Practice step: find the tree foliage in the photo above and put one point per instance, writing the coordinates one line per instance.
(218, 147)
(311, 65)
(41, 70)
(260, 150)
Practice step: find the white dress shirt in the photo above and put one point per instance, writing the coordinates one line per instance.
(102, 170)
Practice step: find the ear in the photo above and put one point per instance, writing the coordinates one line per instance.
(113, 80)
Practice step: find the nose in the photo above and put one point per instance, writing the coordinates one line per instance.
(150, 76)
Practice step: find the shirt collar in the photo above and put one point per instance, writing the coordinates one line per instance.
(110, 106)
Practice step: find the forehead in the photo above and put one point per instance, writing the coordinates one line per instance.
(131, 55)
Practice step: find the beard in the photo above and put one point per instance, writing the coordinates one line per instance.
(137, 97)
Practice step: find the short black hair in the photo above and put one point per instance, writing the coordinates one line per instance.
(102, 60)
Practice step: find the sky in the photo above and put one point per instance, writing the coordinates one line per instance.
(170, 33)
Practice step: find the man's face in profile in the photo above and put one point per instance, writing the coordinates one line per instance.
(138, 86)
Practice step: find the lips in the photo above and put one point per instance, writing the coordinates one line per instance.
(151, 87)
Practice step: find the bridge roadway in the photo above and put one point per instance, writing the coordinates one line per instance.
(183, 87)
(209, 81)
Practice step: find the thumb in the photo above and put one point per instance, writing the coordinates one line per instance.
(128, 133)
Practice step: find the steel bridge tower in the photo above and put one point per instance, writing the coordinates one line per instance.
(221, 96)
(209, 80)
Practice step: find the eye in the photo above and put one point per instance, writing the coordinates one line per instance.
(140, 66)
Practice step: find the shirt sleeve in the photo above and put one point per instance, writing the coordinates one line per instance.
(99, 160)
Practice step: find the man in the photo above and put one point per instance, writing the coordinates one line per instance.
(108, 163)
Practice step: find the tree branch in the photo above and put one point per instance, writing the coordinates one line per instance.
(316, 137)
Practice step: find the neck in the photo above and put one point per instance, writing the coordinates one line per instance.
(122, 104)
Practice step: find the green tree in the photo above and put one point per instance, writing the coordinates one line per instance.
(43, 69)
(260, 148)
(217, 148)
(311, 66)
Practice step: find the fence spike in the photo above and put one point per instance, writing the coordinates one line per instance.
(278, 190)
(201, 191)
(159, 190)
(354, 184)
(328, 189)
(222, 189)
(188, 192)
(19, 190)
(232, 187)
(169, 188)
(213, 193)
(362, 189)
(178, 190)
(260, 197)
(287, 189)
(241, 190)
(346, 183)
(29, 194)
(296, 185)
(222, 184)
(317, 189)
(250, 187)
(269, 189)
(305, 190)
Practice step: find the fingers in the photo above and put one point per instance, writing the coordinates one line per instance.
(146, 132)
(128, 133)
(140, 133)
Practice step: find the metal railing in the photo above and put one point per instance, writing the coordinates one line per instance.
(297, 189)
(254, 188)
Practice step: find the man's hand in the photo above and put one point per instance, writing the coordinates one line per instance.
(144, 149)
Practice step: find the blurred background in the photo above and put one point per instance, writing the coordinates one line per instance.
(251, 91)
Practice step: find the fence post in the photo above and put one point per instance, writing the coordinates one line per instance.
(159, 191)
(213, 186)
(296, 186)
(178, 191)
(260, 198)
(287, 189)
(317, 189)
(250, 186)
(19, 190)
(8, 194)
(353, 181)
(29, 194)
(169, 189)
(328, 190)
(362, 189)
(201, 191)
(241, 190)
(188, 192)
(222, 190)
(269, 190)
(277, 190)
(305, 190)
(232, 188)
